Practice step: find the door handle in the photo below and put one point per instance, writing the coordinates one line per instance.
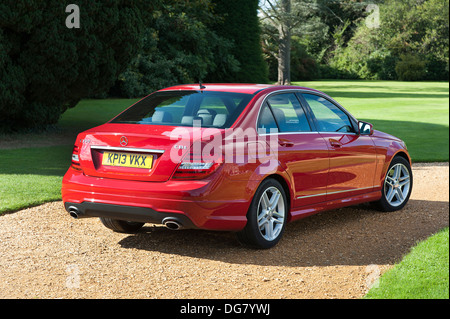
(285, 143)
(335, 143)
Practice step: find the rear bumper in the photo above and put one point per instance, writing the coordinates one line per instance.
(128, 213)
(216, 203)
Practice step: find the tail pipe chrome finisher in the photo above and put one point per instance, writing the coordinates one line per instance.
(172, 223)
(74, 212)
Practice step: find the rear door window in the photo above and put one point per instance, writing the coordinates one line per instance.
(288, 112)
(266, 121)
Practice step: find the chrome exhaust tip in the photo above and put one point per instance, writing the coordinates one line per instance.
(172, 223)
(74, 212)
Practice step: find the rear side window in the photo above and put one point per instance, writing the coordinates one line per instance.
(186, 108)
(266, 121)
(288, 113)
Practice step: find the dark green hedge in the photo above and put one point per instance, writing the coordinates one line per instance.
(46, 67)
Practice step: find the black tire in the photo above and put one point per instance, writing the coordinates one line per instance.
(396, 189)
(273, 220)
(121, 226)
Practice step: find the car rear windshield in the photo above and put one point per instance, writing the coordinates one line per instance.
(187, 108)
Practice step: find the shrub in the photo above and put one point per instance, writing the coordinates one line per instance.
(381, 64)
(437, 70)
(410, 68)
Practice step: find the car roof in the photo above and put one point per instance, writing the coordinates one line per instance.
(232, 87)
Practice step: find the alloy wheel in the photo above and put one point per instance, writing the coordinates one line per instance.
(271, 213)
(397, 184)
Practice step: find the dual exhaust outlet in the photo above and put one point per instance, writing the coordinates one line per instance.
(169, 222)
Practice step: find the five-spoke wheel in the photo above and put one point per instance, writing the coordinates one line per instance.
(266, 218)
(271, 213)
(397, 185)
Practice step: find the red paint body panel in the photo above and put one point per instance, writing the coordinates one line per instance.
(353, 162)
(307, 163)
(317, 174)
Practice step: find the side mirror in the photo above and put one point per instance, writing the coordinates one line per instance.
(365, 128)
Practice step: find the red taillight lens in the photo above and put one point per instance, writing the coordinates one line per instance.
(196, 167)
(195, 170)
(76, 158)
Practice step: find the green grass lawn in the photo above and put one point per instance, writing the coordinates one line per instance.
(90, 113)
(422, 274)
(32, 176)
(417, 112)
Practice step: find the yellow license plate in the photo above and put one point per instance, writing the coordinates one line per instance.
(127, 160)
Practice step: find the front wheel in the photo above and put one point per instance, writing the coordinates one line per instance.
(397, 185)
(267, 216)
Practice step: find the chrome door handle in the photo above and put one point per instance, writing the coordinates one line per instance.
(285, 143)
(335, 143)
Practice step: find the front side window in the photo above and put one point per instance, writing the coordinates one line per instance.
(186, 108)
(330, 118)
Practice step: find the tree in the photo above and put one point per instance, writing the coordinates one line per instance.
(240, 26)
(279, 15)
(281, 19)
(411, 43)
(46, 67)
(418, 28)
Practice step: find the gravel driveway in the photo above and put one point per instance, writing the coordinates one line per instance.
(44, 253)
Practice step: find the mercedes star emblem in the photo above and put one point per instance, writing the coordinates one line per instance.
(123, 141)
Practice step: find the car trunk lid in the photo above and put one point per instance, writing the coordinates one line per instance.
(132, 152)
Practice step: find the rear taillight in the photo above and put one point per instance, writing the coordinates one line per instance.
(195, 166)
(195, 170)
(76, 158)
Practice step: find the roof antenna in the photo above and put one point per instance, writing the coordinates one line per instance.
(201, 85)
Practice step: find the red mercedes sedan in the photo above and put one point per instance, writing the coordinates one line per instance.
(232, 157)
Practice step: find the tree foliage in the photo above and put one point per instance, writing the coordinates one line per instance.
(343, 43)
(281, 19)
(180, 46)
(412, 35)
(134, 47)
(46, 67)
(239, 25)
(316, 28)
